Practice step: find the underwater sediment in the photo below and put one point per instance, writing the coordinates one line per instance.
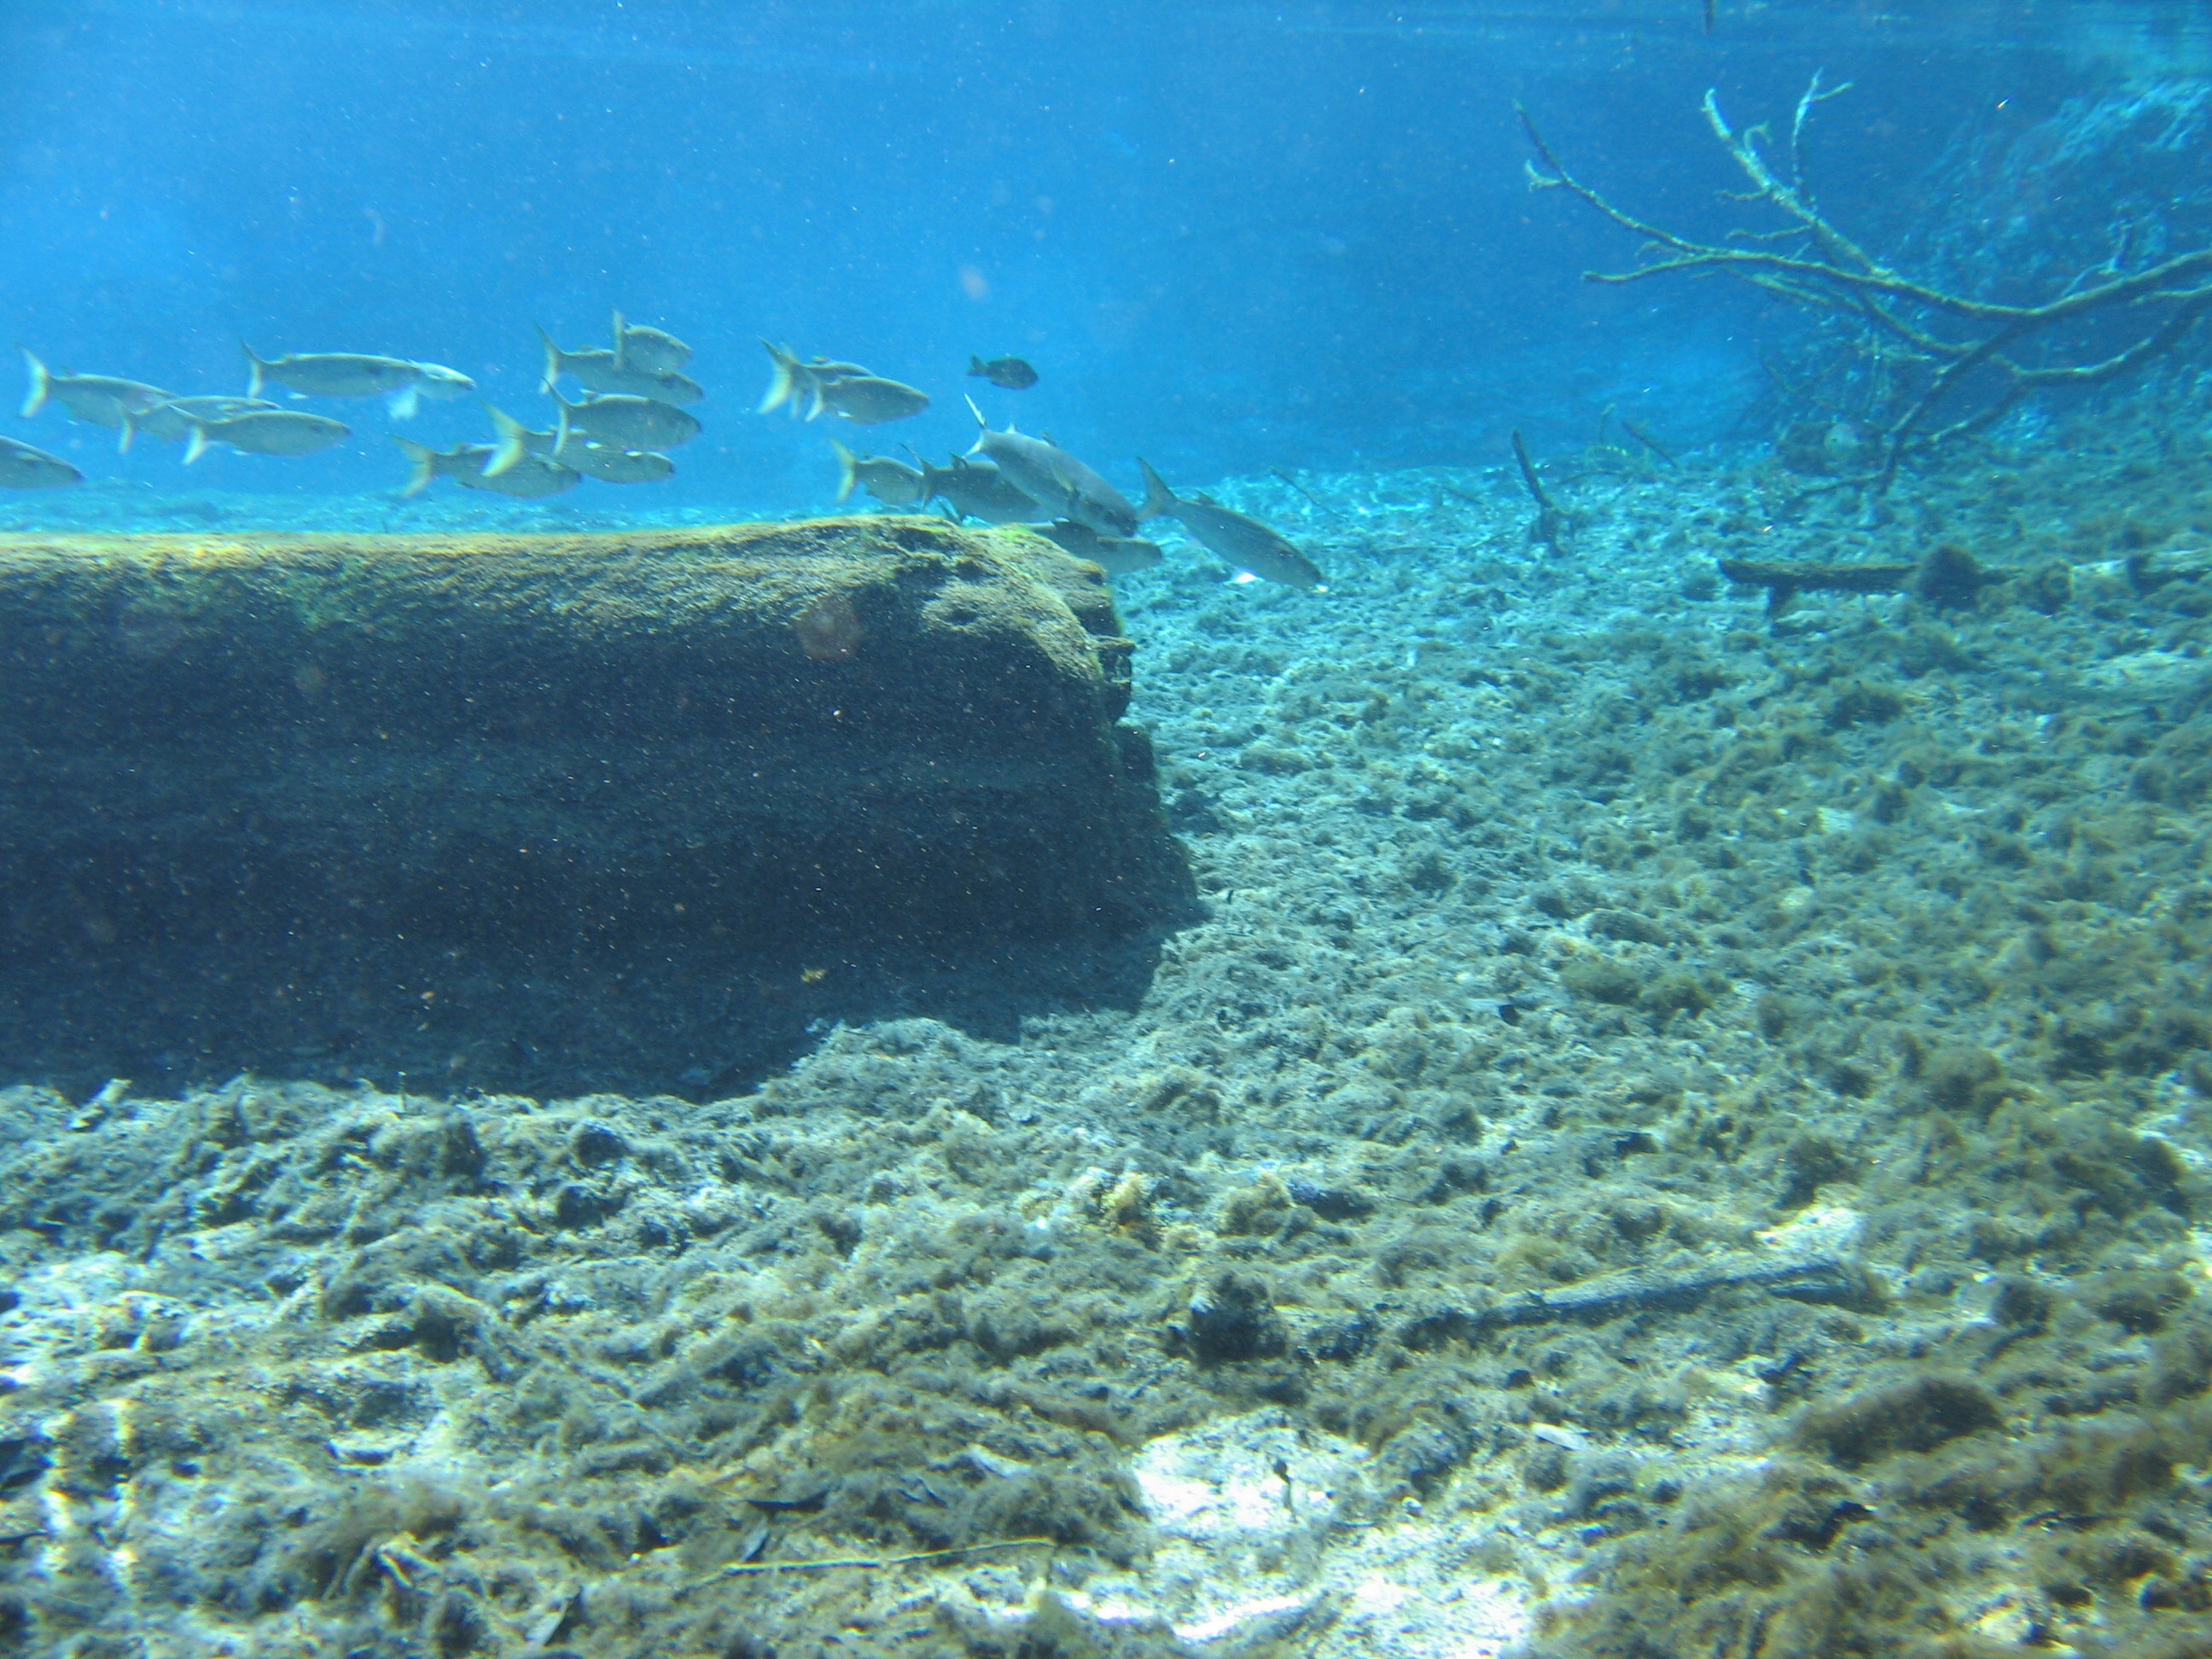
(295, 794)
(1680, 1132)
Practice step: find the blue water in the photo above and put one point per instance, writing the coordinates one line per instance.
(1232, 238)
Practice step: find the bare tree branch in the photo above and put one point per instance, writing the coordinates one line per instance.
(1949, 337)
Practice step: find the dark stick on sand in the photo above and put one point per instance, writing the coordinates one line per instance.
(1948, 576)
(1646, 440)
(1550, 523)
(1320, 505)
(1784, 582)
(1820, 1280)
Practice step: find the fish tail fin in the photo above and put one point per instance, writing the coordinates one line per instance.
(849, 472)
(783, 388)
(41, 383)
(424, 461)
(1160, 500)
(513, 441)
(130, 432)
(561, 431)
(984, 426)
(404, 403)
(198, 446)
(552, 359)
(255, 368)
(975, 365)
(618, 337)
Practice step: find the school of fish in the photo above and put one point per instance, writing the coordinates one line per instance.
(1011, 477)
(633, 409)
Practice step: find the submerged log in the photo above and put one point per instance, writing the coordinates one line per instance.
(1784, 581)
(1947, 575)
(326, 769)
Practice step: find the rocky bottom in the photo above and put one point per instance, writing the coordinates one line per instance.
(1682, 1133)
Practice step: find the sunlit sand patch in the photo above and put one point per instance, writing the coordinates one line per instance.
(1265, 1528)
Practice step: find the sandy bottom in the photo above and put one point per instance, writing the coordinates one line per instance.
(1683, 1133)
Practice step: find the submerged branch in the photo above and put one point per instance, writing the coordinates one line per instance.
(1550, 525)
(1829, 271)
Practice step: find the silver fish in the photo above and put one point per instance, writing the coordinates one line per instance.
(630, 423)
(572, 450)
(22, 467)
(1058, 483)
(801, 385)
(597, 370)
(531, 478)
(1236, 539)
(437, 381)
(616, 466)
(892, 483)
(267, 432)
(172, 422)
(356, 374)
(99, 399)
(871, 400)
(462, 462)
(977, 489)
(1117, 556)
(648, 350)
(608, 462)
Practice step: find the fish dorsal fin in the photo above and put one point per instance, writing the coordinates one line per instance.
(1050, 438)
(984, 426)
(1206, 499)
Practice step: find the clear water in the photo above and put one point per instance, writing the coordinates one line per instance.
(1233, 238)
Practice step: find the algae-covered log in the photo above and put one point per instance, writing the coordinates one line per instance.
(669, 750)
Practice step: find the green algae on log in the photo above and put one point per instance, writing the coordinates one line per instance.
(673, 745)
